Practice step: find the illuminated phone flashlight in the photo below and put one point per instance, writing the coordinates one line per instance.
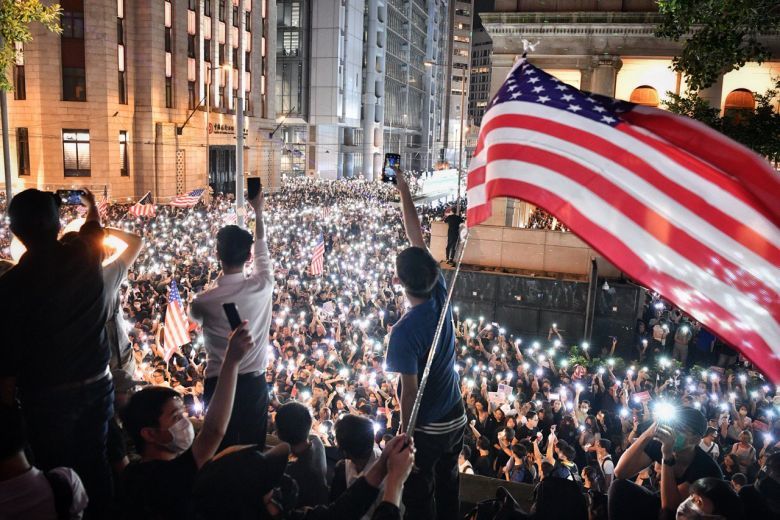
(539, 372)
(557, 343)
(555, 325)
(732, 395)
(323, 428)
(742, 378)
(645, 369)
(538, 403)
(665, 412)
(305, 396)
(578, 387)
(585, 345)
(601, 370)
(723, 406)
(754, 394)
(541, 357)
(581, 427)
(456, 309)
(502, 331)
(198, 408)
(623, 412)
(535, 345)
(495, 349)
(526, 366)
(564, 363)
(509, 376)
(664, 362)
(519, 342)
(611, 362)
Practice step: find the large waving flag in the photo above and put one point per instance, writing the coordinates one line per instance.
(672, 203)
(176, 331)
(189, 200)
(317, 265)
(144, 207)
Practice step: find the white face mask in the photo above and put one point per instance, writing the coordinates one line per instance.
(689, 510)
(183, 434)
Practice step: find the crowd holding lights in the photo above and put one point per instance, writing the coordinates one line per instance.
(329, 333)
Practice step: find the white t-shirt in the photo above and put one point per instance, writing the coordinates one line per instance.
(713, 451)
(253, 296)
(29, 496)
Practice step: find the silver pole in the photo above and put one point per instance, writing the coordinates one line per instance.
(240, 117)
(464, 237)
(9, 192)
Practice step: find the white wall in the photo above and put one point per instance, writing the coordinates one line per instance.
(656, 73)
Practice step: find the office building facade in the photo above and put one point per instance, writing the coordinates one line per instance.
(458, 81)
(118, 101)
(352, 84)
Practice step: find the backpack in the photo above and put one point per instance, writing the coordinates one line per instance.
(63, 494)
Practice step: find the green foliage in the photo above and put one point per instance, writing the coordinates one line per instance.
(759, 130)
(15, 18)
(720, 35)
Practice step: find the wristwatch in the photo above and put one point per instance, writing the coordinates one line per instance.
(670, 461)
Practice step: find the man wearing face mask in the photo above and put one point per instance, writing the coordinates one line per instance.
(674, 444)
(171, 455)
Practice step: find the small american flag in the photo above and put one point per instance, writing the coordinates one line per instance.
(230, 219)
(189, 200)
(176, 323)
(144, 207)
(318, 258)
(672, 203)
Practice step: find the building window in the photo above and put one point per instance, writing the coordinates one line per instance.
(191, 46)
(74, 84)
(221, 53)
(222, 10)
(122, 89)
(207, 7)
(247, 62)
(74, 78)
(191, 99)
(168, 39)
(235, 16)
(645, 95)
(22, 151)
(169, 92)
(124, 169)
(235, 57)
(739, 105)
(207, 50)
(20, 83)
(235, 99)
(75, 152)
(248, 21)
(192, 5)
(222, 100)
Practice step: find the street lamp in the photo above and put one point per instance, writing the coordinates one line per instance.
(429, 63)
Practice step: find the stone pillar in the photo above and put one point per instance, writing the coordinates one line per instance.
(605, 68)
(714, 94)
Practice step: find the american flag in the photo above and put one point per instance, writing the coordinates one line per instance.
(144, 207)
(230, 219)
(176, 323)
(318, 258)
(189, 200)
(102, 208)
(677, 206)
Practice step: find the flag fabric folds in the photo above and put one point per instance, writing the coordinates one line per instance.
(189, 200)
(144, 207)
(176, 332)
(672, 203)
(318, 258)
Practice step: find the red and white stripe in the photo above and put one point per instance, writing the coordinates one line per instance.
(318, 259)
(142, 210)
(175, 333)
(676, 215)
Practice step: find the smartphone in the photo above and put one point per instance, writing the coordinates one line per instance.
(392, 162)
(253, 187)
(70, 197)
(232, 315)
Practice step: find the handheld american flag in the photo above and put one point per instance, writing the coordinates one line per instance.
(144, 207)
(318, 258)
(672, 203)
(176, 323)
(189, 200)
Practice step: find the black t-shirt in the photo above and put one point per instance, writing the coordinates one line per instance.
(524, 432)
(701, 466)
(484, 466)
(159, 489)
(453, 223)
(53, 313)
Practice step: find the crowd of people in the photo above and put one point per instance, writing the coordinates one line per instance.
(618, 430)
(540, 219)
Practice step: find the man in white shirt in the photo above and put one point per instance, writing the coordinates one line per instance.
(253, 297)
(708, 444)
(605, 460)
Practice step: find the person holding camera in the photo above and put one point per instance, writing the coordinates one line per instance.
(433, 487)
(55, 348)
(253, 297)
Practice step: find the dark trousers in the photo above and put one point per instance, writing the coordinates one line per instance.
(69, 428)
(452, 245)
(632, 502)
(249, 418)
(431, 491)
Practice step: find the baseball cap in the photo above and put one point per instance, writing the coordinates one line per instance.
(235, 483)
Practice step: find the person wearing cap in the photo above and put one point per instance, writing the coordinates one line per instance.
(55, 347)
(433, 487)
(163, 435)
(253, 297)
(674, 443)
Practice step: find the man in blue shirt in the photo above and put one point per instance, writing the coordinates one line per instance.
(432, 489)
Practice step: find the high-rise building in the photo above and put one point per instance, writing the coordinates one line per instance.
(120, 98)
(460, 34)
(352, 84)
(479, 86)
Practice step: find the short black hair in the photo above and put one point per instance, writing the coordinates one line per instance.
(355, 436)
(34, 214)
(417, 271)
(144, 410)
(466, 452)
(530, 416)
(234, 245)
(509, 434)
(739, 478)
(519, 450)
(293, 423)
(568, 452)
(13, 434)
(605, 443)
(483, 443)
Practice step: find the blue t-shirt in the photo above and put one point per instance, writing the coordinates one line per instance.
(407, 353)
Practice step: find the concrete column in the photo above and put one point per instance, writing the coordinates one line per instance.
(714, 94)
(605, 68)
